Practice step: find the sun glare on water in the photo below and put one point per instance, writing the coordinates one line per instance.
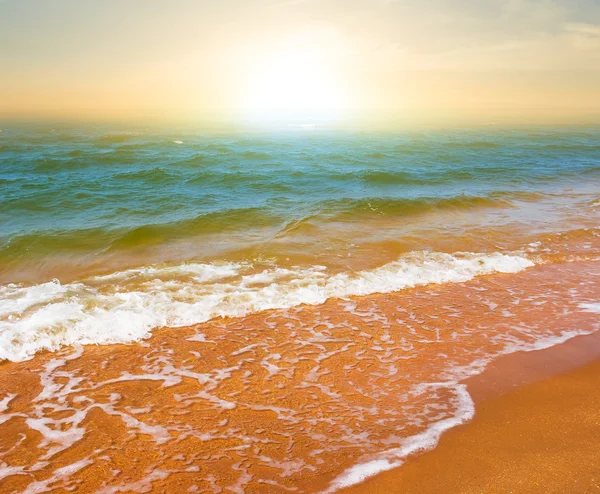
(295, 84)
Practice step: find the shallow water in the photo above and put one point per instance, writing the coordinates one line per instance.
(90, 195)
(135, 229)
(299, 307)
(306, 399)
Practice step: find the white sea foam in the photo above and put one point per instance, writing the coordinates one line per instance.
(463, 405)
(60, 474)
(428, 439)
(126, 305)
(591, 307)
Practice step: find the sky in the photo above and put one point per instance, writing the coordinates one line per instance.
(367, 60)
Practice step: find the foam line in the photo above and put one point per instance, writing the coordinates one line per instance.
(125, 306)
(464, 412)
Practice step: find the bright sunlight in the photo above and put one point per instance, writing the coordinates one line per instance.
(297, 83)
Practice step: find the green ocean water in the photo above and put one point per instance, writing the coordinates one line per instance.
(95, 190)
(109, 232)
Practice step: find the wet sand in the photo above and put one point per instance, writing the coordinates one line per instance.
(530, 433)
(279, 400)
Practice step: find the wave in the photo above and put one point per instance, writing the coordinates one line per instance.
(472, 145)
(78, 160)
(48, 164)
(228, 220)
(256, 155)
(125, 306)
(156, 175)
(47, 242)
(42, 242)
(590, 171)
(571, 147)
(401, 206)
(518, 195)
(218, 148)
(383, 177)
(117, 137)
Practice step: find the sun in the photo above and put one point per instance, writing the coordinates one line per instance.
(296, 83)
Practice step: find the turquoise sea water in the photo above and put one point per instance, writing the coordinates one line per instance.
(69, 192)
(110, 232)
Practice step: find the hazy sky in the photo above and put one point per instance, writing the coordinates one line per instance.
(343, 58)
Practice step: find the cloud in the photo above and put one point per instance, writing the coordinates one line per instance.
(583, 36)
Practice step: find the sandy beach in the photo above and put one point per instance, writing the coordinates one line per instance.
(300, 246)
(282, 314)
(302, 399)
(530, 433)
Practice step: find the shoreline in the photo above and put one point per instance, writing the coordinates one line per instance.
(178, 401)
(531, 408)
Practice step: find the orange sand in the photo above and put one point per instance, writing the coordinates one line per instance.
(541, 437)
(281, 400)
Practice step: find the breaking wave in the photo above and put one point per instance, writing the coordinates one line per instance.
(125, 306)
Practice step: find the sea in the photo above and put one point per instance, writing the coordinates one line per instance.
(274, 310)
